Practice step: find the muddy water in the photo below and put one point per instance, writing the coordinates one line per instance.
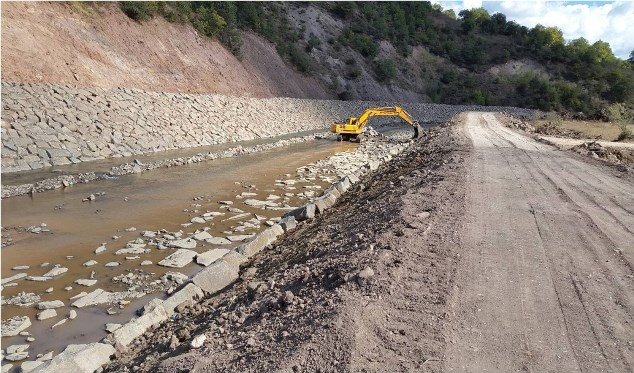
(104, 165)
(151, 200)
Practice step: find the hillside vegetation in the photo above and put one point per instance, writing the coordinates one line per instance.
(474, 57)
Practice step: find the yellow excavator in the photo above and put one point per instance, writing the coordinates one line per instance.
(355, 126)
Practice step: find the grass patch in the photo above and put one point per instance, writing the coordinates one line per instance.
(590, 129)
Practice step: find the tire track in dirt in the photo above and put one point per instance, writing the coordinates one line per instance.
(545, 283)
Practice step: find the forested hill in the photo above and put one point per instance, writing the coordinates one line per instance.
(399, 51)
(472, 57)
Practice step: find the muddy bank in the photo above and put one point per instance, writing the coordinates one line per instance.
(137, 166)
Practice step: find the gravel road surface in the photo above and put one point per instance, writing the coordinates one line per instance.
(545, 282)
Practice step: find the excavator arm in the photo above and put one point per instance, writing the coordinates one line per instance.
(354, 126)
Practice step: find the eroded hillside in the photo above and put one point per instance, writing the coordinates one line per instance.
(100, 46)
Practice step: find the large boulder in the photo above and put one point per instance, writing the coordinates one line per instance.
(260, 241)
(123, 336)
(343, 185)
(302, 213)
(234, 259)
(288, 223)
(210, 256)
(324, 202)
(216, 277)
(78, 359)
(188, 293)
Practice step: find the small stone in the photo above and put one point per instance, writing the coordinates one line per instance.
(288, 297)
(60, 322)
(30, 339)
(198, 340)
(110, 327)
(131, 229)
(72, 315)
(49, 290)
(46, 357)
(85, 282)
(99, 250)
(55, 271)
(112, 264)
(15, 349)
(146, 263)
(19, 268)
(365, 275)
(174, 342)
(50, 305)
(423, 215)
(251, 342)
(46, 314)
(29, 366)
(90, 263)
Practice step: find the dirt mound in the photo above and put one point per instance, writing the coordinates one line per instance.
(552, 129)
(100, 46)
(596, 150)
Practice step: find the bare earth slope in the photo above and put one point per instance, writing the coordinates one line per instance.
(100, 46)
(545, 282)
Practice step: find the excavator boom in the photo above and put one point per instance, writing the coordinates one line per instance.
(354, 126)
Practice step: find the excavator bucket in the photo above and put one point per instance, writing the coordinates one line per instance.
(417, 131)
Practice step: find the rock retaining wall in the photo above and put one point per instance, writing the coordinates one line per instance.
(46, 125)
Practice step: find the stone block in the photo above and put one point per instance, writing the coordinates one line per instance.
(78, 359)
(216, 277)
(188, 293)
(123, 336)
(302, 213)
(260, 241)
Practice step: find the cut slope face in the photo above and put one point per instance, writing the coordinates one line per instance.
(67, 44)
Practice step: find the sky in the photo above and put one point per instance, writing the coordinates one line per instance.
(610, 21)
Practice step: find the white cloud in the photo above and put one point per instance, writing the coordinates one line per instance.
(612, 22)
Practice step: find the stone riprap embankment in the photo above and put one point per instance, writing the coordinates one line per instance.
(47, 125)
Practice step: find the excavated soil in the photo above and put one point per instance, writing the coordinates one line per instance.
(362, 287)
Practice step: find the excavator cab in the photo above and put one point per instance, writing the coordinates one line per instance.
(354, 126)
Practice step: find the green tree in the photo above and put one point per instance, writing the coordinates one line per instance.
(451, 14)
(385, 70)
(140, 10)
(208, 22)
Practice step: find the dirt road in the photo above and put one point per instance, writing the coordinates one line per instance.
(545, 282)
(478, 250)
